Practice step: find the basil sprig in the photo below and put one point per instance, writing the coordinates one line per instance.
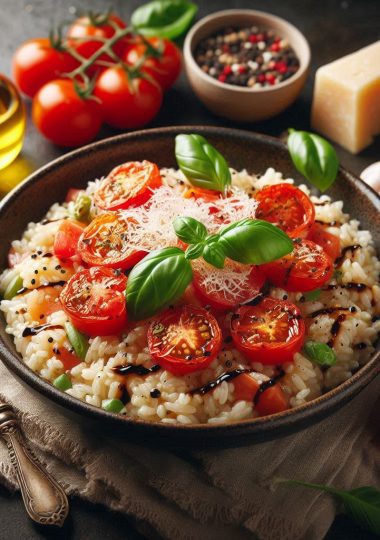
(362, 504)
(201, 163)
(320, 353)
(164, 18)
(189, 230)
(162, 276)
(314, 158)
(254, 241)
(156, 281)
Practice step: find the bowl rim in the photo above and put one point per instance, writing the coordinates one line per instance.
(286, 420)
(192, 64)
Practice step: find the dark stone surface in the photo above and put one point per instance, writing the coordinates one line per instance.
(333, 28)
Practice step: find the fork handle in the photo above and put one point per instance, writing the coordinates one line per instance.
(44, 499)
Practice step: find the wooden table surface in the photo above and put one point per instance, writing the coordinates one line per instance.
(332, 27)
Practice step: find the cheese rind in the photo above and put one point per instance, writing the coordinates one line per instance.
(346, 101)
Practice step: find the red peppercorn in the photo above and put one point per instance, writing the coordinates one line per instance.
(260, 37)
(222, 78)
(242, 69)
(275, 47)
(252, 38)
(225, 48)
(281, 67)
(261, 78)
(269, 77)
(227, 70)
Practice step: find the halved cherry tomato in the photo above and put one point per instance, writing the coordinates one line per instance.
(225, 288)
(36, 62)
(184, 339)
(273, 400)
(104, 242)
(64, 117)
(306, 268)
(68, 359)
(127, 102)
(67, 238)
(270, 332)
(329, 242)
(83, 29)
(165, 67)
(245, 387)
(43, 302)
(94, 299)
(287, 207)
(129, 184)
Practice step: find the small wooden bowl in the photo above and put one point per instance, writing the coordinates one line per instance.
(236, 102)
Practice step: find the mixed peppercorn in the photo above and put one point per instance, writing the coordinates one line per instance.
(250, 57)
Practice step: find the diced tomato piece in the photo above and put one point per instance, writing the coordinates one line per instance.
(43, 302)
(245, 387)
(273, 400)
(67, 238)
(68, 359)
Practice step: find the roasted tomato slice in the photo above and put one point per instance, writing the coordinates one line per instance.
(129, 184)
(104, 242)
(94, 299)
(184, 339)
(306, 268)
(329, 242)
(67, 238)
(270, 332)
(287, 207)
(227, 287)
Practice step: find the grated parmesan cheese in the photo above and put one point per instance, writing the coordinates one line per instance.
(151, 226)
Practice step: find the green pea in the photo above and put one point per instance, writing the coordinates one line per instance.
(63, 382)
(81, 208)
(112, 405)
(13, 287)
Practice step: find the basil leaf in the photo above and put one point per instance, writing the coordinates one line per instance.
(312, 296)
(189, 230)
(78, 341)
(314, 157)
(253, 241)
(164, 18)
(320, 353)
(194, 251)
(201, 163)
(156, 281)
(214, 254)
(362, 504)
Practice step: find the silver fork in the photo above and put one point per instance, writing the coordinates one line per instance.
(44, 499)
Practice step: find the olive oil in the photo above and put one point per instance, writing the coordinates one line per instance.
(12, 122)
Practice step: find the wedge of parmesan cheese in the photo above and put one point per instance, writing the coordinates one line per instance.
(346, 102)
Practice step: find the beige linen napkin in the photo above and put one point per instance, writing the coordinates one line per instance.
(213, 494)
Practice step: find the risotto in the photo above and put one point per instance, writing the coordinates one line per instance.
(232, 375)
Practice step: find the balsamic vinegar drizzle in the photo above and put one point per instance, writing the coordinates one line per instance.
(34, 330)
(330, 310)
(267, 384)
(50, 284)
(338, 321)
(340, 259)
(132, 369)
(227, 376)
(230, 375)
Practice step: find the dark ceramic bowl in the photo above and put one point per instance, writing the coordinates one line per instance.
(30, 200)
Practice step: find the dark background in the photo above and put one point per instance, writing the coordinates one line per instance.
(333, 28)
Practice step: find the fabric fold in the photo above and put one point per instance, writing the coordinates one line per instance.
(221, 493)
